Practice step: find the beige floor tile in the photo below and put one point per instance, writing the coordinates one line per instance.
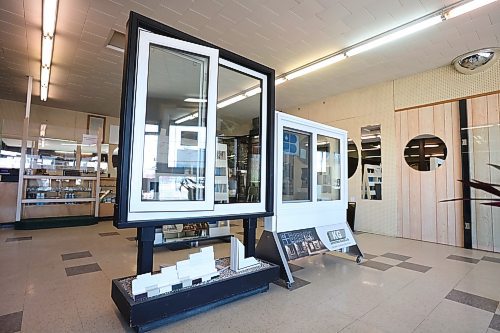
(454, 317)
(361, 327)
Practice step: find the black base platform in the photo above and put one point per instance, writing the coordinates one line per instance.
(55, 222)
(147, 314)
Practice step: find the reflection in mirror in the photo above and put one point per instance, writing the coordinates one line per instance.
(175, 129)
(296, 166)
(352, 158)
(328, 168)
(425, 152)
(239, 136)
(371, 163)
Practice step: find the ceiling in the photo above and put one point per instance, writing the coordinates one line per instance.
(282, 34)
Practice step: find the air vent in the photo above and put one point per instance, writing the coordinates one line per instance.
(476, 61)
(116, 41)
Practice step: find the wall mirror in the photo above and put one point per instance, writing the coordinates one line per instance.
(371, 163)
(425, 152)
(352, 158)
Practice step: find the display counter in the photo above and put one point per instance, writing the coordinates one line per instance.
(8, 201)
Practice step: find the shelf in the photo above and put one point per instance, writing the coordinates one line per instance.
(58, 200)
(60, 177)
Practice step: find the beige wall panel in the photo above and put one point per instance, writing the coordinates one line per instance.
(351, 111)
(441, 177)
(451, 177)
(415, 201)
(405, 178)
(428, 206)
(443, 84)
(481, 158)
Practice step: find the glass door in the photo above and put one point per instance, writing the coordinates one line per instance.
(173, 153)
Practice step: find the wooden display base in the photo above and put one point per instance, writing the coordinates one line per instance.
(147, 314)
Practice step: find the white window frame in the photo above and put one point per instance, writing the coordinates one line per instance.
(136, 204)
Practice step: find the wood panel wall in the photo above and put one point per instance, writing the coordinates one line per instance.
(421, 215)
(484, 148)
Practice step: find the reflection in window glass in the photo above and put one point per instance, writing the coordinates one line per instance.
(296, 166)
(175, 130)
(371, 163)
(328, 168)
(238, 173)
(425, 152)
(352, 158)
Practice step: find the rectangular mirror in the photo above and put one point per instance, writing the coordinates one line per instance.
(371, 163)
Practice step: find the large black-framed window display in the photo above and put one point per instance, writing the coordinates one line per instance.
(177, 110)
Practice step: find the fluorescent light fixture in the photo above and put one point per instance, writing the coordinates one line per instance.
(395, 35)
(465, 8)
(195, 100)
(431, 146)
(47, 46)
(230, 101)
(43, 129)
(279, 81)
(186, 118)
(252, 92)
(316, 66)
(49, 17)
(9, 153)
(151, 128)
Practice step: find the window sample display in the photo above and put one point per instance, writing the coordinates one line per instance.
(352, 158)
(328, 168)
(371, 163)
(425, 152)
(238, 126)
(296, 166)
(175, 131)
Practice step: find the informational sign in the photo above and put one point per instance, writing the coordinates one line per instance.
(89, 140)
(290, 144)
(306, 242)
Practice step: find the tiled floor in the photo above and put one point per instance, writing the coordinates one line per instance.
(58, 280)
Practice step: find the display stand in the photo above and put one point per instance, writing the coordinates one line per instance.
(315, 221)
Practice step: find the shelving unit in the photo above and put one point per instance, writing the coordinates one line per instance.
(372, 176)
(55, 196)
(107, 196)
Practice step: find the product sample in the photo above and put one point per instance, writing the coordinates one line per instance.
(238, 261)
(200, 267)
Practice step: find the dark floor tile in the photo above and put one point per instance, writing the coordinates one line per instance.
(376, 265)
(132, 239)
(82, 269)
(113, 233)
(414, 267)
(491, 259)
(294, 267)
(11, 322)
(299, 283)
(476, 301)
(464, 259)
(368, 256)
(19, 239)
(358, 232)
(76, 255)
(396, 256)
(495, 322)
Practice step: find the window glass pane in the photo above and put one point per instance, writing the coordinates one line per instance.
(328, 168)
(238, 160)
(296, 166)
(175, 131)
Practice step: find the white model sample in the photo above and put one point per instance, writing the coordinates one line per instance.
(200, 267)
(238, 262)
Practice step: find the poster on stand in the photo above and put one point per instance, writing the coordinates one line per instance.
(307, 242)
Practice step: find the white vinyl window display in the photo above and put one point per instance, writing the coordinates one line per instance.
(195, 143)
(327, 172)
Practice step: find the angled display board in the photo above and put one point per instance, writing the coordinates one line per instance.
(182, 96)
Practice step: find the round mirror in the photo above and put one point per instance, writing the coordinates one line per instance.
(425, 152)
(352, 158)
